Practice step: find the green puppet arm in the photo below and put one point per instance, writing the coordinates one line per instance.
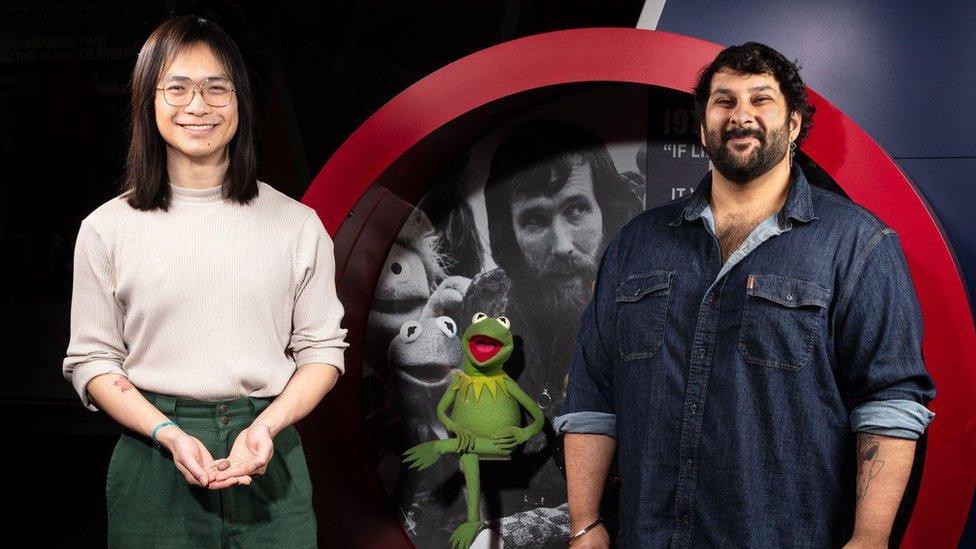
(442, 407)
(465, 440)
(511, 437)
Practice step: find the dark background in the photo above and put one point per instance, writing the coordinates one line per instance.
(902, 70)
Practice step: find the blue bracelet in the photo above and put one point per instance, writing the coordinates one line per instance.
(158, 427)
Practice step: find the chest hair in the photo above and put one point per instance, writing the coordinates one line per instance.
(732, 229)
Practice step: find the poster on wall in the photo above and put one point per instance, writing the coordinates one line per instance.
(515, 226)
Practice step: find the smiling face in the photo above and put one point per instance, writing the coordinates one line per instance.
(747, 127)
(196, 133)
(487, 344)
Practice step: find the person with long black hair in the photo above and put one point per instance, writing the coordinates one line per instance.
(204, 315)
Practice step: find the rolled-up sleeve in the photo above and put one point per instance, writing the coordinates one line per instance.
(316, 333)
(95, 346)
(589, 400)
(879, 345)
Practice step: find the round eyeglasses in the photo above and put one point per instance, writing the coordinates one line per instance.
(179, 92)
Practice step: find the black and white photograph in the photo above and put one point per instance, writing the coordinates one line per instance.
(514, 226)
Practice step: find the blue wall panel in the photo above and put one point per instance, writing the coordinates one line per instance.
(902, 70)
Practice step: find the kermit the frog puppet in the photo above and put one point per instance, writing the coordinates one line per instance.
(485, 418)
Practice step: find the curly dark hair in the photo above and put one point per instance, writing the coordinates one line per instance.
(756, 58)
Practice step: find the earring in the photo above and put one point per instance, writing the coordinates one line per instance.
(792, 150)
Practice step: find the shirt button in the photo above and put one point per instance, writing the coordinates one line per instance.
(224, 419)
(711, 297)
(685, 520)
(701, 352)
(222, 408)
(694, 408)
(789, 297)
(689, 463)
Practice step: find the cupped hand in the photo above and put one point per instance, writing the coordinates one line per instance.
(249, 456)
(191, 458)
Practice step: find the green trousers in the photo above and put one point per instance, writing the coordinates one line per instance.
(150, 503)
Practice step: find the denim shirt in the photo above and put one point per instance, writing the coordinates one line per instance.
(735, 390)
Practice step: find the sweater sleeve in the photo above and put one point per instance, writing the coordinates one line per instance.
(95, 346)
(316, 333)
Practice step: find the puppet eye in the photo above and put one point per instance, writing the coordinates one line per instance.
(410, 330)
(504, 321)
(478, 317)
(400, 268)
(447, 326)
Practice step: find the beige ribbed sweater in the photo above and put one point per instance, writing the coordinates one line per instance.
(205, 301)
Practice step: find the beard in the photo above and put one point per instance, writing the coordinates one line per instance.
(560, 289)
(769, 152)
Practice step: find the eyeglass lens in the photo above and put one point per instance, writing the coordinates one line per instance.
(217, 92)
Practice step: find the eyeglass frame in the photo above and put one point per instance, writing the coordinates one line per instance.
(197, 86)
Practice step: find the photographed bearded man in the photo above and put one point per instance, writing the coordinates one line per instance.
(553, 198)
(752, 352)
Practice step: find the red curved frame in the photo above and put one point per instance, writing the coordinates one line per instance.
(865, 172)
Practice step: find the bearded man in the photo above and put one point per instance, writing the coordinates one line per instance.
(751, 353)
(553, 199)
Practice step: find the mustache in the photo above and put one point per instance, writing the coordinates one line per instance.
(571, 264)
(736, 133)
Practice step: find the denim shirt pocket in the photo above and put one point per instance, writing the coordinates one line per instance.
(642, 310)
(781, 320)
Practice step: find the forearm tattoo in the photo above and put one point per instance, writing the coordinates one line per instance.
(123, 384)
(868, 464)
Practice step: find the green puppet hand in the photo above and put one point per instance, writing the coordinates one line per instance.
(422, 456)
(509, 438)
(466, 440)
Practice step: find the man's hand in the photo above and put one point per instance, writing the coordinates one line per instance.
(190, 456)
(597, 538)
(249, 456)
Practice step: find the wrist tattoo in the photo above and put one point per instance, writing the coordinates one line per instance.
(868, 464)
